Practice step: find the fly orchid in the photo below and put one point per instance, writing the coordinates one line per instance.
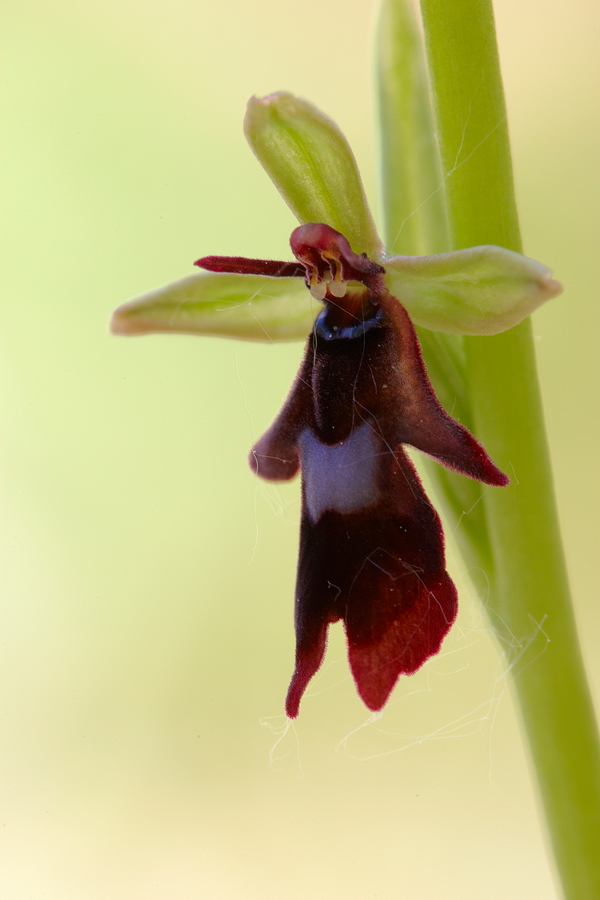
(371, 544)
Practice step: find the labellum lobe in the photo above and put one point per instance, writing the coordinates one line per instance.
(371, 544)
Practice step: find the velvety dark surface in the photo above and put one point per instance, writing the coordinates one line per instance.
(377, 562)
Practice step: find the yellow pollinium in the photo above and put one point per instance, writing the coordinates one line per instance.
(332, 281)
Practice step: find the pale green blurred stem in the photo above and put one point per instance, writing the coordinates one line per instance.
(528, 602)
(414, 206)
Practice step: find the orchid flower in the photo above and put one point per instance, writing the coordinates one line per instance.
(371, 544)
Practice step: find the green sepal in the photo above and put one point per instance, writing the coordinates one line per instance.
(477, 291)
(248, 307)
(312, 166)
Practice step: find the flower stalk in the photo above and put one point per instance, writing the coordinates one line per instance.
(514, 534)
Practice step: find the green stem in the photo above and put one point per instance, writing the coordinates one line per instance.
(529, 602)
(414, 206)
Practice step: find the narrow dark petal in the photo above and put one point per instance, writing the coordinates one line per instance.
(242, 266)
(423, 422)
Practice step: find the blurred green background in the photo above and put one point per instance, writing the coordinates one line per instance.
(147, 576)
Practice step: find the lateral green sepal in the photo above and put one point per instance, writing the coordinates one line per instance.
(477, 291)
(248, 307)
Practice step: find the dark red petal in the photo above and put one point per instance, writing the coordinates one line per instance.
(242, 266)
(421, 419)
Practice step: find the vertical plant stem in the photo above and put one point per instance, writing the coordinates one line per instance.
(529, 602)
(413, 202)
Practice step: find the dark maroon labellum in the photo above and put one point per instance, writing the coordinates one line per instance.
(371, 544)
